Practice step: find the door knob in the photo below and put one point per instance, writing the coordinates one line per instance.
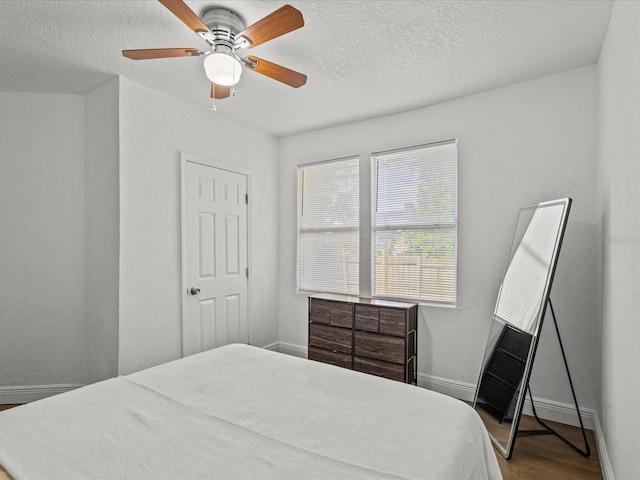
(194, 290)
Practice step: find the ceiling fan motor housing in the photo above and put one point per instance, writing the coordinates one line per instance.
(224, 24)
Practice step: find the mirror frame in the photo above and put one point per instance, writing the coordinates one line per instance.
(507, 450)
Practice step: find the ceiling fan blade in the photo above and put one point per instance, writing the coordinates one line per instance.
(149, 53)
(184, 13)
(277, 72)
(284, 20)
(219, 91)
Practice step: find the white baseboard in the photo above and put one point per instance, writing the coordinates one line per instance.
(274, 347)
(560, 412)
(463, 391)
(291, 349)
(31, 393)
(603, 455)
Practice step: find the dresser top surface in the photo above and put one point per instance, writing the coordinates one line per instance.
(363, 300)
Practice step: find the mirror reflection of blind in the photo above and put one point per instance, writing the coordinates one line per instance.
(328, 226)
(522, 290)
(414, 215)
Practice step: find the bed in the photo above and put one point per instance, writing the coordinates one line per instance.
(243, 412)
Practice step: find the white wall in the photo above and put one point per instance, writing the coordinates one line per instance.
(90, 282)
(42, 214)
(102, 231)
(154, 129)
(619, 170)
(518, 145)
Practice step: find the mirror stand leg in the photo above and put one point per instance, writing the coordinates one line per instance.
(548, 430)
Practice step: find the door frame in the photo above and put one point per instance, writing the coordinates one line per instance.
(209, 162)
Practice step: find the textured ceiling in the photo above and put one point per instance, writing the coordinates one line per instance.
(363, 58)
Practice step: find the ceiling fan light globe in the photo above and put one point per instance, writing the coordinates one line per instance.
(222, 69)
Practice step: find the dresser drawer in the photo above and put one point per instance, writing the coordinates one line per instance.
(393, 322)
(388, 321)
(336, 314)
(333, 358)
(381, 347)
(367, 318)
(330, 338)
(381, 369)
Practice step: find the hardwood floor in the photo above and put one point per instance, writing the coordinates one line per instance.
(542, 457)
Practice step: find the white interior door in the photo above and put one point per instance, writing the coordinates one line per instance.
(215, 267)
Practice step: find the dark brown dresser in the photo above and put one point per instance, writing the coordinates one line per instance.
(379, 337)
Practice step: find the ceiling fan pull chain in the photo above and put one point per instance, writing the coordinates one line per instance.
(213, 102)
(233, 87)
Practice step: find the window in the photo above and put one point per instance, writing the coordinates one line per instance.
(410, 233)
(414, 223)
(328, 226)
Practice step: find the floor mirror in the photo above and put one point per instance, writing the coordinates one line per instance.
(522, 301)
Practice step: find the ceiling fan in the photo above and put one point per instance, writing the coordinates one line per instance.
(225, 32)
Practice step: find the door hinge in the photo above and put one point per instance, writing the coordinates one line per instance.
(247, 272)
(246, 198)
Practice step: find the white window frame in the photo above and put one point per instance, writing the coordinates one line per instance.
(436, 298)
(301, 230)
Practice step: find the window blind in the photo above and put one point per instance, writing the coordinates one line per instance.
(328, 226)
(414, 223)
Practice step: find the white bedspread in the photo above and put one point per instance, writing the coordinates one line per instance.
(243, 412)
